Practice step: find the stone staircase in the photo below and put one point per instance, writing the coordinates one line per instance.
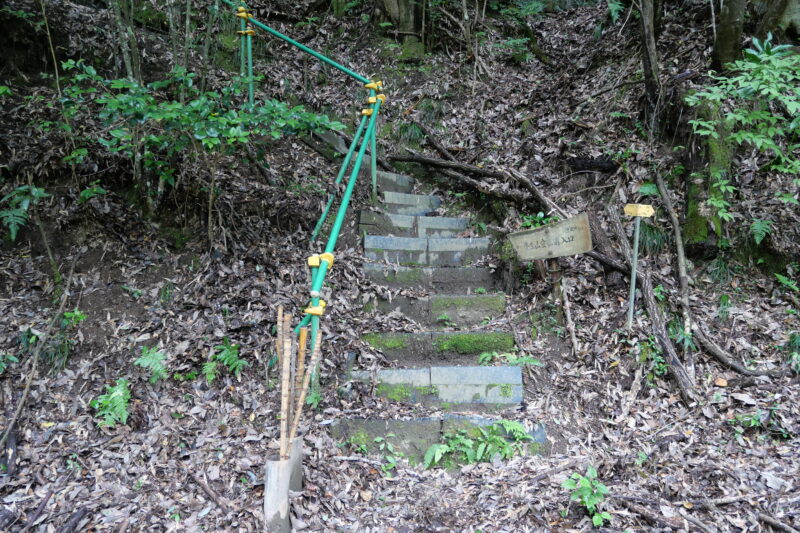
(438, 365)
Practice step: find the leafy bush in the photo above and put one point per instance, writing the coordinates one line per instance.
(153, 361)
(764, 107)
(589, 492)
(537, 220)
(113, 405)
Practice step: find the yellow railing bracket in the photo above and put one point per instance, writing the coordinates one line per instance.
(376, 85)
(242, 13)
(327, 256)
(374, 99)
(367, 112)
(313, 261)
(247, 32)
(316, 310)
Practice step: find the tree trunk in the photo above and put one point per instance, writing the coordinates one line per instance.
(729, 34)
(650, 65)
(406, 19)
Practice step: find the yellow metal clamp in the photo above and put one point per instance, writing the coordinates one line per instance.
(327, 256)
(316, 310)
(313, 261)
(247, 32)
(374, 99)
(242, 13)
(374, 85)
(366, 112)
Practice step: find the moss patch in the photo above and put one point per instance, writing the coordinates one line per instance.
(385, 341)
(398, 392)
(474, 343)
(491, 302)
(406, 276)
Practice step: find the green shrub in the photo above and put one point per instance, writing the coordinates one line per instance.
(589, 492)
(153, 361)
(503, 438)
(112, 406)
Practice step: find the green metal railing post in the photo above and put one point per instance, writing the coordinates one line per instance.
(250, 95)
(342, 170)
(374, 165)
(242, 45)
(304, 48)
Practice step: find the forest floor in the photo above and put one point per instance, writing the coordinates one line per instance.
(190, 457)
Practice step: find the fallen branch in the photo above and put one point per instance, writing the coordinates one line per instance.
(683, 277)
(777, 524)
(433, 142)
(647, 515)
(441, 163)
(209, 492)
(727, 359)
(36, 353)
(555, 470)
(505, 194)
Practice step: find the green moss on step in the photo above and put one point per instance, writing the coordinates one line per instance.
(474, 343)
(359, 438)
(385, 341)
(397, 392)
(408, 276)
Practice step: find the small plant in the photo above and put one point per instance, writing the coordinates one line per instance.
(659, 292)
(538, 220)
(724, 308)
(72, 318)
(134, 292)
(227, 354)
(153, 361)
(480, 290)
(489, 358)
(589, 492)
(445, 320)
(503, 438)
(112, 406)
(94, 189)
(390, 455)
(5, 360)
(759, 229)
(15, 205)
(760, 421)
(787, 282)
(188, 376)
(678, 334)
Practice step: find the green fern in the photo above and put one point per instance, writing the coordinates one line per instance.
(615, 9)
(787, 282)
(113, 405)
(153, 360)
(19, 201)
(759, 229)
(210, 371)
(228, 355)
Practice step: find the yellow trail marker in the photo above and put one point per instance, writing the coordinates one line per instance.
(639, 210)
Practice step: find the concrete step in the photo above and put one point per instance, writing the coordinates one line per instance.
(450, 385)
(439, 348)
(410, 204)
(446, 309)
(432, 251)
(391, 182)
(439, 279)
(413, 437)
(372, 223)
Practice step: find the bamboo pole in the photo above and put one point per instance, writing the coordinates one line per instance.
(300, 368)
(285, 371)
(315, 358)
(279, 333)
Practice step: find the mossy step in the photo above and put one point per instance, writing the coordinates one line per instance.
(372, 223)
(438, 279)
(435, 348)
(392, 182)
(450, 385)
(415, 251)
(413, 437)
(410, 204)
(446, 309)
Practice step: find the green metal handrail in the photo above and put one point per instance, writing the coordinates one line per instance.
(364, 137)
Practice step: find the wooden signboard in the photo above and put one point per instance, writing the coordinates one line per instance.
(570, 237)
(639, 210)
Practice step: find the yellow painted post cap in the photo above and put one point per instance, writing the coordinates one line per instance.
(327, 256)
(313, 261)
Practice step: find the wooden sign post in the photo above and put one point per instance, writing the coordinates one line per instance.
(569, 237)
(637, 211)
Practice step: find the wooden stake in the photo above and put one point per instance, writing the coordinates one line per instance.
(279, 333)
(285, 370)
(315, 358)
(300, 368)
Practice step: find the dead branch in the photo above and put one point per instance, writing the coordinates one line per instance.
(441, 163)
(683, 277)
(647, 515)
(209, 492)
(777, 524)
(728, 360)
(433, 141)
(480, 186)
(36, 354)
(555, 470)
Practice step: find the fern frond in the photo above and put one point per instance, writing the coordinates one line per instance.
(759, 229)
(113, 405)
(153, 360)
